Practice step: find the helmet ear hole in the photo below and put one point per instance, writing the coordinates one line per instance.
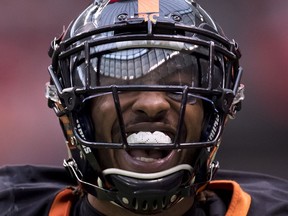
(84, 124)
(210, 125)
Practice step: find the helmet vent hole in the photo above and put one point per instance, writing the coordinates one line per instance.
(155, 204)
(135, 203)
(164, 202)
(145, 205)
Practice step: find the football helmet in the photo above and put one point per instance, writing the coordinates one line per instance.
(119, 46)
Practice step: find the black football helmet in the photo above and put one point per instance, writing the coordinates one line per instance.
(118, 46)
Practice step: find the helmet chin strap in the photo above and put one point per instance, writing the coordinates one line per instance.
(143, 193)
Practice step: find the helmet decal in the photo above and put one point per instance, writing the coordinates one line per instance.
(148, 9)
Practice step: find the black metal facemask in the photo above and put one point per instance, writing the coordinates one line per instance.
(181, 75)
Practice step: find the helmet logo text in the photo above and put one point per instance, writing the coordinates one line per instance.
(151, 16)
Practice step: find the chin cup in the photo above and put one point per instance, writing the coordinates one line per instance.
(152, 192)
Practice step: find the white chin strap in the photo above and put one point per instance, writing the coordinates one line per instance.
(148, 176)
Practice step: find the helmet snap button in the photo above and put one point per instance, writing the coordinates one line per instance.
(125, 200)
(176, 18)
(122, 17)
(173, 198)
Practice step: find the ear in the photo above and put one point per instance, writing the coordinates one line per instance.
(226, 120)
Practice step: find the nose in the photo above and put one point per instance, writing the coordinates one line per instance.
(152, 104)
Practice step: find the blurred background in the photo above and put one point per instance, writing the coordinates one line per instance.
(255, 141)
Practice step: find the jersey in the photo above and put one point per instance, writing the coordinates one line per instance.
(49, 191)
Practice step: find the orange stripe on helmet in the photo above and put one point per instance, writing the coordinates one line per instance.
(148, 6)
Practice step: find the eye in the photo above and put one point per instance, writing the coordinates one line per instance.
(177, 96)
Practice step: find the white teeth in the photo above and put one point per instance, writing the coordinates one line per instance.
(144, 159)
(148, 137)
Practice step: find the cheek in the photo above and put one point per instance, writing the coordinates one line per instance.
(103, 116)
(193, 120)
(106, 158)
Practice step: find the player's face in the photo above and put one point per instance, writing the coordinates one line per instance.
(145, 113)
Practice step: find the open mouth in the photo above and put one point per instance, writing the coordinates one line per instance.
(146, 158)
(149, 155)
